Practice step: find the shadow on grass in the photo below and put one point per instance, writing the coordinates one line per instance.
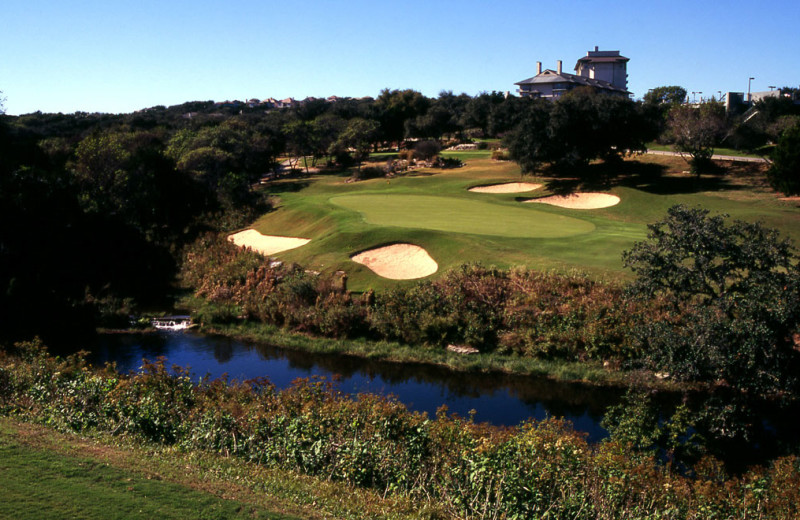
(287, 185)
(645, 176)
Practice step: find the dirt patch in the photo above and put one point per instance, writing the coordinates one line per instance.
(398, 261)
(266, 244)
(580, 200)
(509, 187)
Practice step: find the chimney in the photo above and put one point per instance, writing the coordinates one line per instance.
(538, 67)
(559, 66)
(595, 48)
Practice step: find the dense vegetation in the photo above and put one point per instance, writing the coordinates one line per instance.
(118, 196)
(99, 213)
(465, 470)
(712, 302)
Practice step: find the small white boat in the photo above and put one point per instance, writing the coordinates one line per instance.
(172, 323)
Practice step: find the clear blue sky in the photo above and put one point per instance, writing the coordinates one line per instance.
(121, 56)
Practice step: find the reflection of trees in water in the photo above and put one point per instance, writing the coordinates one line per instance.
(128, 350)
(223, 351)
(770, 429)
(558, 397)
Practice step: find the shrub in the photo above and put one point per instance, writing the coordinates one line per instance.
(448, 162)
(426, 150)
(501, 155)
(539, 469)
(368, 172)
(730, 296)
(784, 174)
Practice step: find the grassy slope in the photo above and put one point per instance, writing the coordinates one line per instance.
(344, 218)
(41, 481)
(46, 474)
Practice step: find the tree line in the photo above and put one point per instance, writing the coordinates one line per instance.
(95, 208)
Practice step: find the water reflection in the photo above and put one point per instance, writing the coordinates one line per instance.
(496, 398)
(500, 399)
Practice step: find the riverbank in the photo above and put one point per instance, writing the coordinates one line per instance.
(425, 467)
(482, 363)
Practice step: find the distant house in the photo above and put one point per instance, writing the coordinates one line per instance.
(228, 104)
(604, 71)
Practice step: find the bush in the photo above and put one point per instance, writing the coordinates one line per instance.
(523, 312)
(784, 174)
(729, 296)
(368, 172)
(426, 150)
(536, 470)
(501, 155)
(448, 162)
(238, 282)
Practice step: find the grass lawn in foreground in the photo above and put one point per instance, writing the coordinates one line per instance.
(42, 484)
(46, 474)
(433, 208)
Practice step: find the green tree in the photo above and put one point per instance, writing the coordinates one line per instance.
(505, 116)
(479, 109)
(358, 136)
(669, 95)
(300, 140)
(581, 126)
(325, 130)
(529, 143)
(395, 107)
(696, 130)
(227, 158)
(731, 300)
(784, 174)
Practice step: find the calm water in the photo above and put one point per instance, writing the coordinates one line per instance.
(498, 399)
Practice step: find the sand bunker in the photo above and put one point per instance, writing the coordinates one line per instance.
(509, 187)
(580, 200)
(398, 261)
(266, 244)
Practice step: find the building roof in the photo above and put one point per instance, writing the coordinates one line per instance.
(602, 59)
(551, 76)
(598, 56)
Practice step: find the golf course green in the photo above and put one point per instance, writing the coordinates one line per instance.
(433, 209)
(456, 215)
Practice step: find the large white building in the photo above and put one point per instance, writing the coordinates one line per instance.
(604, 71)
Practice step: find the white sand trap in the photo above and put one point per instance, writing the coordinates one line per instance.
(509, 187)
(580, 200)
(266, 244)
(398, 261)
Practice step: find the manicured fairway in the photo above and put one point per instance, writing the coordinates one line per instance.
(457, 215)
(433, 209)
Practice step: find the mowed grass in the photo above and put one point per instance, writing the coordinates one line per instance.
(458, 215)
(434, 209)
(46, 474)
(38, 483)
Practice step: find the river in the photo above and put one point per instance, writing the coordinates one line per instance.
(500, 399)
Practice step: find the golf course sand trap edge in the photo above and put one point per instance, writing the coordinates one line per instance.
(398, 261)
(585, 200)
(266, 244)
(509, 187)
